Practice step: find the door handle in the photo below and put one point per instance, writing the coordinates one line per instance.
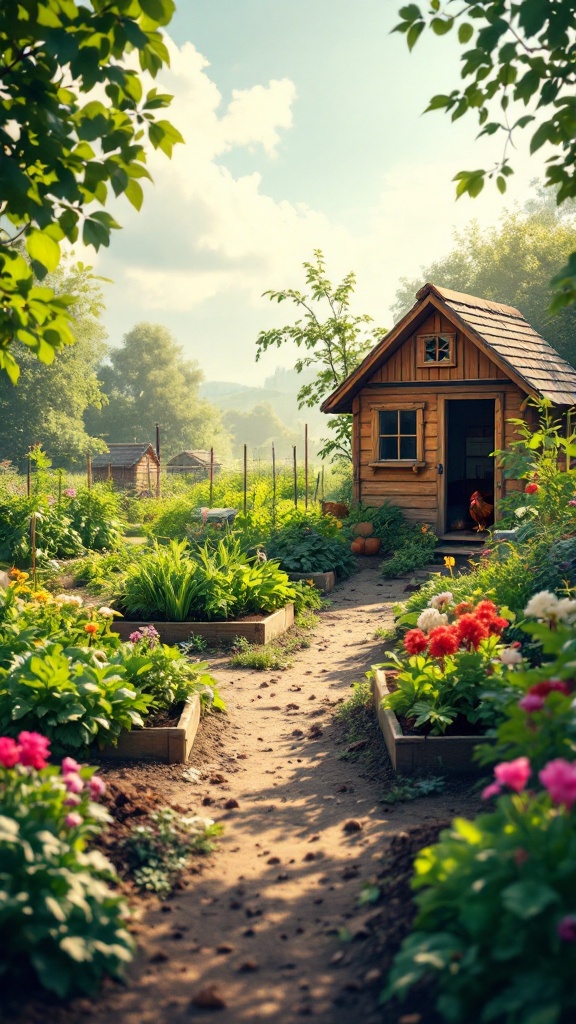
(440, 469)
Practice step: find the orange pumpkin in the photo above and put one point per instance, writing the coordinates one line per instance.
(363, 529)
(372, 545)
(358, 545)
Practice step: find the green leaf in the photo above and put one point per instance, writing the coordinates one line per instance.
(465, 32)
(43, 249)
(528, 899)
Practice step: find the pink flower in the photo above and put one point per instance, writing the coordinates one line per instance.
(72, 800)
(97, 787)
(9, 752)
(135, 636)
(572, 502)
(492, 790)
(514, 774)
(70, 765)
(73, 783)
(531, 488)
(559, 778)
(35, 749)
(566, 928)
(73, 819)
(531, 702)
(69, 492)
(547, 686)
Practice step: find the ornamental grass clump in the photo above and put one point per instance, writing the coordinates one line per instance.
(453, 653)
(60, 918)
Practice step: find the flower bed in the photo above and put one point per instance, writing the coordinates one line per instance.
(323, 581)
(257, 629)
(169, 744)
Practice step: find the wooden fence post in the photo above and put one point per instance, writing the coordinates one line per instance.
(306, 465)
(273, 487)
(245, 474)
(89, 471)
(295, 472)
(211, 476)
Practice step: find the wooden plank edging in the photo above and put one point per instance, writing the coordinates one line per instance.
(169, 744)
(451, 755)
(257, 632)
(323, 581)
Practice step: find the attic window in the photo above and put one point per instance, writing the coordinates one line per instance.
(436, 350)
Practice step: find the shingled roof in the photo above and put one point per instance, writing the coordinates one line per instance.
(499, 330)
(124, 456)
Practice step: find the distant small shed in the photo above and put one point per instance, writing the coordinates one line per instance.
(128, 465)
(196, 463)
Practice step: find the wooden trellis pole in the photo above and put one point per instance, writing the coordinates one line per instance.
(273, 487)
(295, 471)
(245, 475)
(211, 476)
(89, 471)
(306, 465)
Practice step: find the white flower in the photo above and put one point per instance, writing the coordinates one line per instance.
(430, 618)
(69, 599)
(100, 655)
(510, 656)
(107, 613)
(566, 609)
(441, 600)
(543, 605)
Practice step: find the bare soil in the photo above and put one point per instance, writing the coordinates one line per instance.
(269, 928)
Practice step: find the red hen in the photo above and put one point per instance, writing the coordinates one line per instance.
(480, 510)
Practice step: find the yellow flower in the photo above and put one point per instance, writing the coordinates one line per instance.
(425, 528)
(338, 524)
(449, 561)
(18, 576)
(41, 595)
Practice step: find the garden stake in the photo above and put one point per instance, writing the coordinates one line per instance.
(295, 468)
(245, 474)
(28, 474)
(89, 471)
(317, 488)
(33, 546)
(273, 487)
(158, 457)
(211, 476)
(60, 486)
(305, 465)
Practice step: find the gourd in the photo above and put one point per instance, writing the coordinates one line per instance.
(372, 545)
(363, 529)
(357, 546)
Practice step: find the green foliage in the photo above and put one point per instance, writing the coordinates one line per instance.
(511, 263)
(171, 584)
(299, 547)
(59, 916)
(97, 517)
(64, 151)
(414, 551)
(72, 696)
(514, 52)
(55, 533)
(160, 851)
(259, 657)
(170, 678)
(492, 895)
(335, 345)
(412, 789)
(147, 380)
(387, 519)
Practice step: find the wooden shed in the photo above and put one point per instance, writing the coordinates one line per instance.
(128, 465)
(196, 463)
(433, 399)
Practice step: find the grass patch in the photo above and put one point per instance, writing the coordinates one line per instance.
(266, 657)
(410, 789)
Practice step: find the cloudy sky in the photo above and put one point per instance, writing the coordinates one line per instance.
(304, 129)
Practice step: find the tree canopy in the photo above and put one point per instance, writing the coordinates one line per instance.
(516, 53)
(147, 381)
(48, 405)
(511, 263)
(336, 343)
(74, 121)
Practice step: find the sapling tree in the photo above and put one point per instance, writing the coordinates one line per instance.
(335, 342)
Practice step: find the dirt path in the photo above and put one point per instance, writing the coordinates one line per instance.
(262, 922)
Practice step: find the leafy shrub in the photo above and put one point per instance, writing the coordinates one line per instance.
(160, 851)
(174, 519)
(96, 516)
(59, 917)
(73, 696)
(496, 920)
(101, 572)
(388, 522)
(415, 552)
(170, 678)
(307, 598)
(55, 533)
(303, 549)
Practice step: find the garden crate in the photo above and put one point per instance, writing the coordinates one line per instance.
(323, 581)
(410, 755)
(257, 629)
(170, 744)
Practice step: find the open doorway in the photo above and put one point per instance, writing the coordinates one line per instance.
(469, 467)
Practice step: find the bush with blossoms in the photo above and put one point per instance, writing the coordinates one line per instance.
(446, 662)
(60, 918)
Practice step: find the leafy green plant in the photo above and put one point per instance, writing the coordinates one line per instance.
(169, 677)
(387, 519)
(59, 917)
(96, 516)
(72, 696)
(412, 789)
(160, 851)
(300, 548)
(415, 552)
(496, 921)
(161, 585)
(256, 656)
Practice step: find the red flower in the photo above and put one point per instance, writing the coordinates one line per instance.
(9, 752)
(548, 686)
(91, 628)
(531, 488)
(486, 610)
(463, 608)
(471, 630)
(497, 625)
(415, 641)
(34, 749)
(443, 641)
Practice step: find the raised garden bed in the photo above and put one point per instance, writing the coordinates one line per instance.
(323, 581)
(258, 629)
(169, 744)
(411, 755)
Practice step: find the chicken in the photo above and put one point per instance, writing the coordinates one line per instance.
(480, 510)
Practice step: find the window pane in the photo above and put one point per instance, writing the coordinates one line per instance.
(389, 422)
(408, 421)
(407, 447)
(443, 349)
(430, 350)
(388, 448)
